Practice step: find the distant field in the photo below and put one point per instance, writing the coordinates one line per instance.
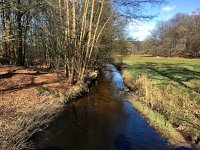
(185, 73)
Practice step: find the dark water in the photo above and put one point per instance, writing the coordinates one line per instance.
(101, 120)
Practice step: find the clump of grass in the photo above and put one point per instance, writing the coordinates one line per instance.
(17, 131)
(43, 89)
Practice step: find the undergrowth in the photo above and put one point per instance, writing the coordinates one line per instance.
(17, 131)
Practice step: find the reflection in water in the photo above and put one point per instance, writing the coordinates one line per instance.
(101, 120)
(122, 142)
(52, 148)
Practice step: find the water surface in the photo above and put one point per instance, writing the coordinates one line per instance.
(101, 120)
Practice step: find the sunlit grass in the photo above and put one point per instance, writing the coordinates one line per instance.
(185, 73)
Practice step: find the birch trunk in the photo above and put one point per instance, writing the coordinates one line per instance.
(88, 42)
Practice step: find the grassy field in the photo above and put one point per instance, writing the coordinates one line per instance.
(170, 86)
(163, 71)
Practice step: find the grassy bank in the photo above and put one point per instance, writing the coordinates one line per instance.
(170, 87)
(159, 122)
(29, 100)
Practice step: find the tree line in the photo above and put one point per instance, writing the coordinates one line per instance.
(70, 34)
(178, 36)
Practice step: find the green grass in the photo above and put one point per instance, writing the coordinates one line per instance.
(43, 89)
(185, 73)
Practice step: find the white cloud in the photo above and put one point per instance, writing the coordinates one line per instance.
(140, 30)
(168, 8)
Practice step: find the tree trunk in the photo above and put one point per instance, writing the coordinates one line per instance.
(5, 50)
(20, 60)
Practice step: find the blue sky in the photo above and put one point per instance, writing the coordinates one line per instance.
(141, 30)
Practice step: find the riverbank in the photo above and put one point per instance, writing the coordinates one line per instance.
(30, 99)
(167, 104)
(158, 121)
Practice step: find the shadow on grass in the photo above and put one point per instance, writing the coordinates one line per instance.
(174, 72)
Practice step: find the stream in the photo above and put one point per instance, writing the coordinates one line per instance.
(101, 120)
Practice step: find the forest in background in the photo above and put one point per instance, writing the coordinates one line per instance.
(178, 36)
